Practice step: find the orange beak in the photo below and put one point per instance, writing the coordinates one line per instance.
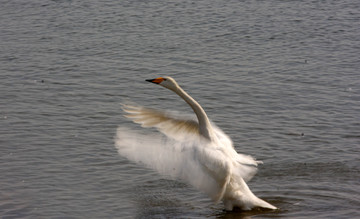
(156, 80)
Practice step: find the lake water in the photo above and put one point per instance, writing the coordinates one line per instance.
(281, 78)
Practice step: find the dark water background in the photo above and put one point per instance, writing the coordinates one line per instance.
(280, 77)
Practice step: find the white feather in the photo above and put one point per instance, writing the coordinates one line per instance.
(175, 159)
(168, 123)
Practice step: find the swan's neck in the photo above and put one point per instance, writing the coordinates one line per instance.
(205, 128)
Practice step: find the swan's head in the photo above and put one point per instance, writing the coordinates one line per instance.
(167, 82)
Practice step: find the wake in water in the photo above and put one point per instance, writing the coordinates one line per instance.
(197, 153)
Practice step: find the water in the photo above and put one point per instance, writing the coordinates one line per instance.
(281, 78)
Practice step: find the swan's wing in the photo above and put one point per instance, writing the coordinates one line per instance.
(245, 166)
(202, 167)
(176, 128)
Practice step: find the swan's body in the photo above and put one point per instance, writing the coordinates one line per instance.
(198, 153)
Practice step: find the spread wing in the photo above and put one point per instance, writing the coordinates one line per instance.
(202, 167)
(171, 125)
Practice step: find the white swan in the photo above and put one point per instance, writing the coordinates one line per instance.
(198, 153)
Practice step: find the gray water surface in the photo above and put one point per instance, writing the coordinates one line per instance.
(281, 78)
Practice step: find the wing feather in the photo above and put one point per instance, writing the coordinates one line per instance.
(170, 125)
(202, 167)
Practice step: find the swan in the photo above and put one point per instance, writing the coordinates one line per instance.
(196, 152)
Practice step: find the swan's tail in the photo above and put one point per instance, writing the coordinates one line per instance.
(246, 203)
(239, 195)
(263, 204)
